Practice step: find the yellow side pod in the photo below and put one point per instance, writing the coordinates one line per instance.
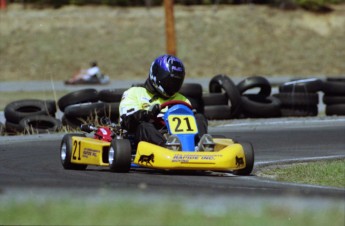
(88, 151)
(227, 156)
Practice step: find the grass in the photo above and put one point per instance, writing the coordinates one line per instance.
(102, 208)
(236, 40)
(324, 173)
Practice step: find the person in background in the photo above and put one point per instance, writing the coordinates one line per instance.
(140, 106)
(86, 75)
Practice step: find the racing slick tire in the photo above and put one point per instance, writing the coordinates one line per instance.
(223, 82)
(216, 112)
(255, 82)
(193, 90)
(119, 156)
(297, 99)
(334, 88)
(215, 99)
(66, 152)
(249, 157)
(335, 109)
(257, 106)
(311, 85)
(78, 97)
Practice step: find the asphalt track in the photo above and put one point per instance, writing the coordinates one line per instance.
(33, 162)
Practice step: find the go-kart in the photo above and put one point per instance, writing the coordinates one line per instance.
(112, 147)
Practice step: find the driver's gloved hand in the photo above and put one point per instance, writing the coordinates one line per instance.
(154, 110)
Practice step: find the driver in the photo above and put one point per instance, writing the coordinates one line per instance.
(140, 106)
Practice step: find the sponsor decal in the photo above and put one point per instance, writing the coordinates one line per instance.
(90, 153)
(147, 159)
(195, 157)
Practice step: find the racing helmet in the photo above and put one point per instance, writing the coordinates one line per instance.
(166, 75)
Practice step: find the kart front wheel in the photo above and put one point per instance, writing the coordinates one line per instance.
(120, 155)
(249, 157)
(66, 149)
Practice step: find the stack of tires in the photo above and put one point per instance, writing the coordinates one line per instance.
(334, 96)
(2, 129)
(31, 116)
(256, 99)
(194, 92)
(223, 101)
(88, 106)
(300, 98)
(251, 97)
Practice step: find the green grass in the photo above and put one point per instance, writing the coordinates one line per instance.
(326, 173)
(135, 210)
(236, 40)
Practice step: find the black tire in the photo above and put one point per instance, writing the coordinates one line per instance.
(334, 88)
(299, 111)
(78, 97)
(197, 104)
(297, 99)
(120, 154)
(255, 82)
(17, 110)
(221, 83)
(335, 109)
(193, 90)
(217, 112)
(2, 129)
(330, 100)
(93, 111)
(311, 85)
(51, 107)
(40, 124)
(13, 128)
(249, 158)
(215, 99)
(111, 95)
(335, 79)
(66, 153)
(257, 106)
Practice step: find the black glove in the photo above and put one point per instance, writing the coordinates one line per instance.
(154, 110)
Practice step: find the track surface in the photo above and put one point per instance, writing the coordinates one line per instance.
(35, 163)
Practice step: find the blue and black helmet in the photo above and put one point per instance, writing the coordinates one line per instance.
(166, 75)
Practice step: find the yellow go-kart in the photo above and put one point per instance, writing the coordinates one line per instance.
(112, 147)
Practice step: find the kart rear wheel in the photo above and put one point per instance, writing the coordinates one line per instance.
(249, 157)
(120, 155)
(66, 152)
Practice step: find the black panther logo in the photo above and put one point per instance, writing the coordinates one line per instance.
(239, 161)
(147, 159)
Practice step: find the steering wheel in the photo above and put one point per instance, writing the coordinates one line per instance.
(174, 102)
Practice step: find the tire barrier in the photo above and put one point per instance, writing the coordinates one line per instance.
(40, 124)
(193, 91)
(18, 111)
(334, 96)
(2, 129)
(300, 97)
(223, 84)
(78, 97)
(250, 98)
